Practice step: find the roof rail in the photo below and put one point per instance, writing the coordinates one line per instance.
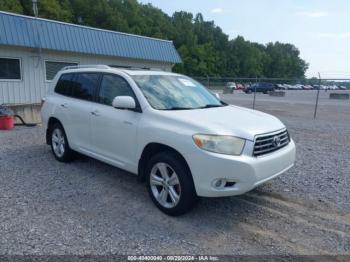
(86, 66)
(130, 67)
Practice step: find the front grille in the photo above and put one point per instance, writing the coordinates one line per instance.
(268, 143)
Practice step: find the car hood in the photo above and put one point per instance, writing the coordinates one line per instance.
(226, 120)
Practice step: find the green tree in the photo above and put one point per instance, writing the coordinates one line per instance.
(56, 10)
(284, 61)
(14, 6)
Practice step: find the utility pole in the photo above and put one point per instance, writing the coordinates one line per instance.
(37, 31)
(35, 8)
(256, 82)
(318, 94)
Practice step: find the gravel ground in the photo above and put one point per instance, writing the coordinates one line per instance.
(88, 207)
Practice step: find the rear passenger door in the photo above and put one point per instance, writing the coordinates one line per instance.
(62, 99)
(79, 108)
(114, 130)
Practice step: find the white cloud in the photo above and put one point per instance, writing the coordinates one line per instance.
(335, 35)
(313, 14)
(217, 10)
(327, 35)
(345, 35)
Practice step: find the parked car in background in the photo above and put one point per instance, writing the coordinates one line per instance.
(307, 87)
(260, 87)
(280, 87)
(239, 86)
(229, 88)
(166, 128)
(295, 87)
(231, 85)
(286, 86)
(333, 87)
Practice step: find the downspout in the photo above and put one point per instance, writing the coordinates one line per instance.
(36, 23)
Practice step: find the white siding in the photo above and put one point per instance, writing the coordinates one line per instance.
(33, 85)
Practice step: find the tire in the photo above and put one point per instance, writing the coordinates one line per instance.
(59, 144)
(180, 197)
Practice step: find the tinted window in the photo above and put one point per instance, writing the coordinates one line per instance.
(112, 86)
(53, 67)
(64, 85)
(10, 68)
(85, 85)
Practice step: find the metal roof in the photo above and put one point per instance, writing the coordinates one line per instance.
(27, 31)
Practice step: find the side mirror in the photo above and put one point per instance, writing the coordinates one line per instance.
(124, 102)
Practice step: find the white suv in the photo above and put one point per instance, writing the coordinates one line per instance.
(166, 128)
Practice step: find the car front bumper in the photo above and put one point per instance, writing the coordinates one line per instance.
(245, 172)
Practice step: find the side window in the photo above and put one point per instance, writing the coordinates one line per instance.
(112, 86)
(64, 85)
(84, 86)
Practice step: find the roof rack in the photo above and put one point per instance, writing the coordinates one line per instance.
(130, 67)
(86, 66)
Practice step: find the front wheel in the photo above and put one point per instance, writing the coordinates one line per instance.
(170, 184)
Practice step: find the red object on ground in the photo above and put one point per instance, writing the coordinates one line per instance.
(6, 122)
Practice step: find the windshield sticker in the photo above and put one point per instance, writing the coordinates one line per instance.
(186, 82)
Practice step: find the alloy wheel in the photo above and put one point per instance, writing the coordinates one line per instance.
(165, 185)
(58, 142)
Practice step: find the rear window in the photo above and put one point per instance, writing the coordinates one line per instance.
(64, 85)
(78, 85)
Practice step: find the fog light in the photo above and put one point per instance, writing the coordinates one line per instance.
(219, 183)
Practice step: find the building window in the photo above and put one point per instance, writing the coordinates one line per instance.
(10, 69)
(53, 67)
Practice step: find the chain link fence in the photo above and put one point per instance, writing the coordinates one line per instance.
(271, 94)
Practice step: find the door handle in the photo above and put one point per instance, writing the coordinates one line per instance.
(127, 122)
(64, 105)
(95, 113)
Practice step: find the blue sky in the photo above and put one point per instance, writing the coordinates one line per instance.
(319, 28)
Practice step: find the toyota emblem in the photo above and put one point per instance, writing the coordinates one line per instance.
(276, 141)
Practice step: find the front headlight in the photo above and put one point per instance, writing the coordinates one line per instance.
(228, 145)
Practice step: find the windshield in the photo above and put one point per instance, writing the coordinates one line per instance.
(172, 92)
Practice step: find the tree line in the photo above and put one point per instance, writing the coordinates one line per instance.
(204, 48)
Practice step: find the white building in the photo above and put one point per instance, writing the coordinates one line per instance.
(33, 50)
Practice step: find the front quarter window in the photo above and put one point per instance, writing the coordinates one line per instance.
(175, 92)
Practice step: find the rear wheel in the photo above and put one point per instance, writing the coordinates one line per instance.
(170, 184)
(59, 144)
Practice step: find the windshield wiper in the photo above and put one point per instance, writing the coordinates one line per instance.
(191, 108)
(179, 108)
(211, 106)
